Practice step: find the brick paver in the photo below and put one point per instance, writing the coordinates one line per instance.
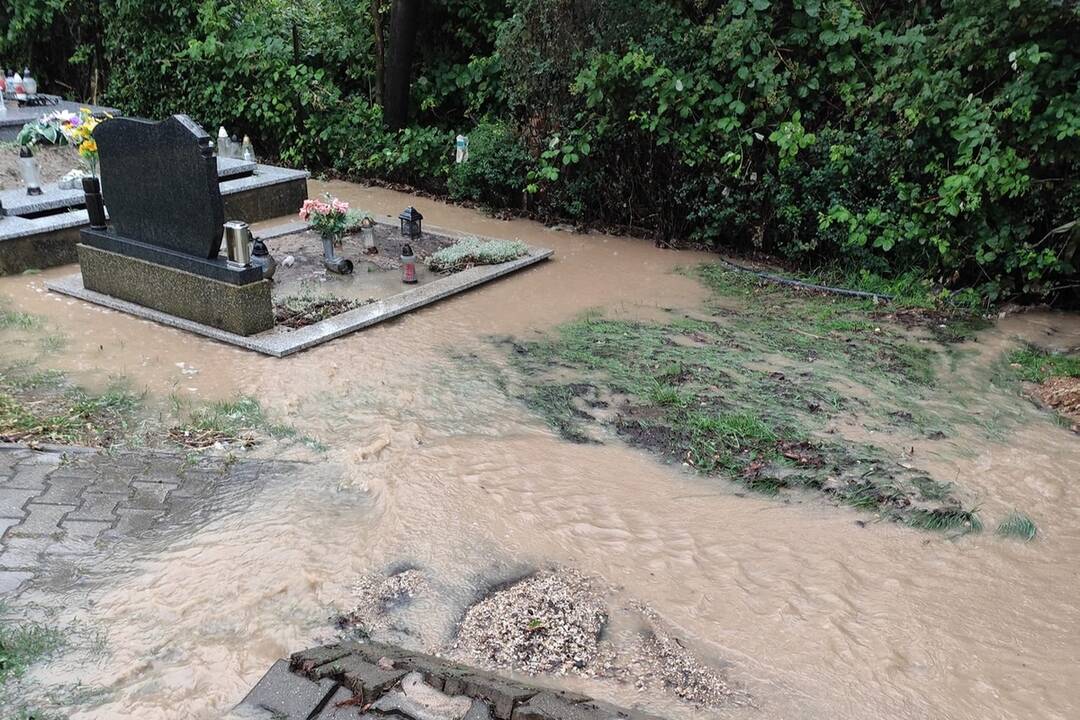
(65, 503)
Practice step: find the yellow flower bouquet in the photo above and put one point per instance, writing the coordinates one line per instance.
(78, 129)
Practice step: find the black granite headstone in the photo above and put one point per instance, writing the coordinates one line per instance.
(160, 184)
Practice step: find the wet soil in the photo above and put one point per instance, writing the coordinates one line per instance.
(816, 610)
(54, 161)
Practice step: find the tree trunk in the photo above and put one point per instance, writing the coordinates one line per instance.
(404, 19)
(380, 52)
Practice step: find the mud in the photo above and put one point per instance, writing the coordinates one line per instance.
(433, 463)
(53, 163)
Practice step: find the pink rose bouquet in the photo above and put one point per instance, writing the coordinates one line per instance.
(330, 217)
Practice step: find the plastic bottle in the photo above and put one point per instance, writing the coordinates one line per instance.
(29, 83)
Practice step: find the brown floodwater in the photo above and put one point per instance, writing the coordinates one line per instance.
(432, 465)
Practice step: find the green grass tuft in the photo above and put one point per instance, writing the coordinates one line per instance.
(1036, 365)
(23, 644)
(941, 519)
(18, 320)
(1017, 525)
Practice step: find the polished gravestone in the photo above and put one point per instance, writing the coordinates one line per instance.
(160, 183)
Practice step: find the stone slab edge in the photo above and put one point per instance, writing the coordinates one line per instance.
(16, 202)
(13, 226)
(508, 698)
(280, 344)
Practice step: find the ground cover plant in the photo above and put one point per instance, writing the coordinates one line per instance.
(472, 251)
(751, 394)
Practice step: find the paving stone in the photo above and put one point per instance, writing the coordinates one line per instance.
(19, 553)
(10, 580)
(503, 694)
(112, 485)
(82, 471)
(29, 476)
(84, 528)
(63, 491)
(52, 459)
(6, 523)
(96, 507)
(196, 485)
(307, 660)
(10, 458)
(148, 495)
(135, 521)
(12, 501)
(359, 675)
(287, 695)
(336, 709)
(41, 520)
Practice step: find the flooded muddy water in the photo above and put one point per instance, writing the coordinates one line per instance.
(432, 464)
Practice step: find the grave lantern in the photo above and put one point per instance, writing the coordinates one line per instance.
(367, 231)
(411, 222)
(28, 167)
(408, 265)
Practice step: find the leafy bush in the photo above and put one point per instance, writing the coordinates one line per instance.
(495, 171)
(936, 138)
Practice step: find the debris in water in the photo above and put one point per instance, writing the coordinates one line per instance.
(376, 594)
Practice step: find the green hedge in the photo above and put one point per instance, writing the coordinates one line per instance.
(940, 138)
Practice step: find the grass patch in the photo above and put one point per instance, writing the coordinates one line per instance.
(237, 422)
(750, 395)
(472, 251)
(64, 415)
(1017, 525)
(23, 644)
(18, 320)
(1036, 365)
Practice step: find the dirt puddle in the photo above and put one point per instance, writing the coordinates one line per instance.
(432, 465)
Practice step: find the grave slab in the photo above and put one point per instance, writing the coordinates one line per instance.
(280, 341)
(15, 202)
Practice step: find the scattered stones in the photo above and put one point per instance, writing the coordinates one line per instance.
(662, 661)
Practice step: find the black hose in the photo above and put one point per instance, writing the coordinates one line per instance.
(780, 280)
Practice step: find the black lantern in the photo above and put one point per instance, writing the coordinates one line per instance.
(410, 222)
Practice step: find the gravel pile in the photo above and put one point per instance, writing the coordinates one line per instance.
(549, 622)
